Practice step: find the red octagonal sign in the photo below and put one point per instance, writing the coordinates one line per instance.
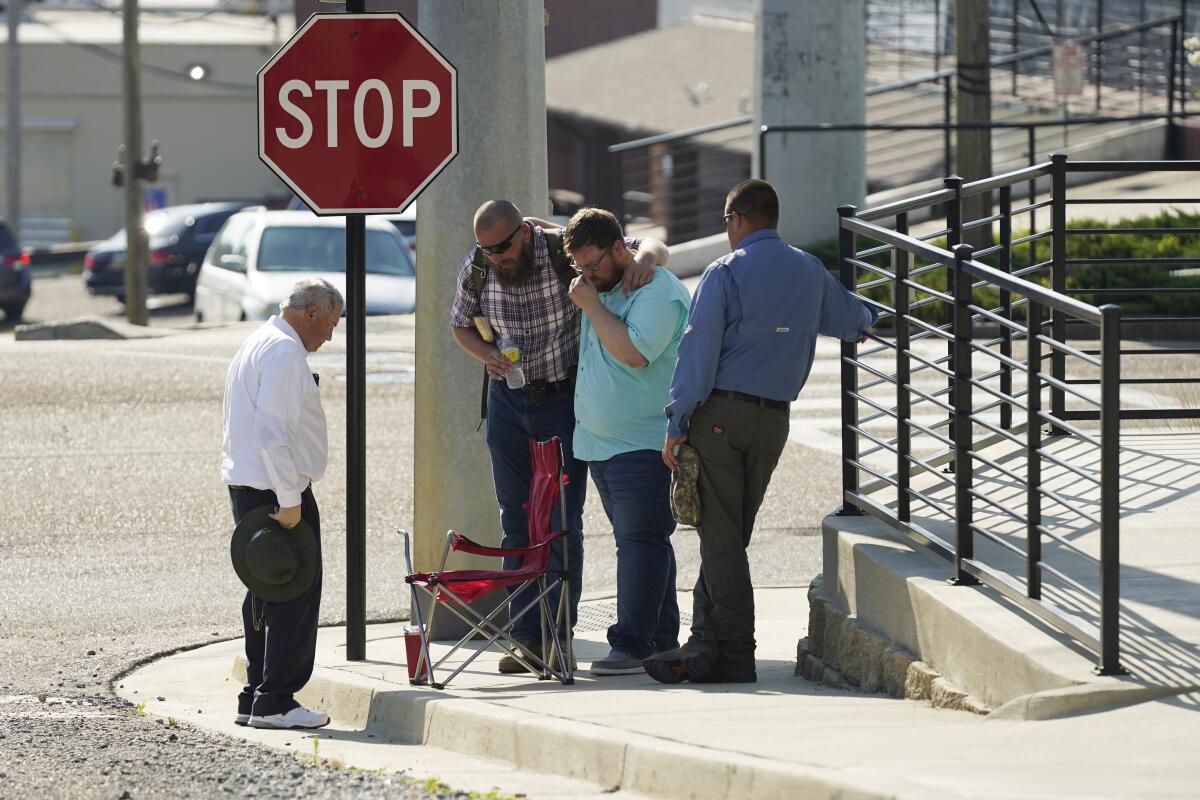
(357, 113)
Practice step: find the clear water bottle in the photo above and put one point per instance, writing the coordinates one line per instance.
(516, 376)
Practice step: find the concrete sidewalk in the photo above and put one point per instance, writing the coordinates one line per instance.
(783, 737)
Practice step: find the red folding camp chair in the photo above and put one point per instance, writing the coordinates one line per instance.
(455, 590)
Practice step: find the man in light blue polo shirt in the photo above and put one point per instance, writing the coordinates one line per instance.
(627, 350)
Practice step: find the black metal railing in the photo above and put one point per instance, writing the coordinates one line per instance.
(980, 387)
(677, 181)
(914, 37)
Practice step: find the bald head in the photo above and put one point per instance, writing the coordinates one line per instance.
(497, 214)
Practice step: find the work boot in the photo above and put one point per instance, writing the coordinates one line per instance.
(510, 665)
(728, 671)
(678, 665)
(551, 658)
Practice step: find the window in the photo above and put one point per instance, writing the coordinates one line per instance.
(322, 249)
(211, 223)
(231, 241)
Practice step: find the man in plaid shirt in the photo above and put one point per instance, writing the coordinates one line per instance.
(526, 304)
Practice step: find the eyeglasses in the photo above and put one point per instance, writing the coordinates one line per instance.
(502, 245)
(725, 219)
(595, 265)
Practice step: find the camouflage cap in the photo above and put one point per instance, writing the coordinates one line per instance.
(685, 490)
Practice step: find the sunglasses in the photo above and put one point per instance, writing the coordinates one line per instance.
(503, 245)
(725, 219)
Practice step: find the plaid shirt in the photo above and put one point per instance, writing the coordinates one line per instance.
(538, 316)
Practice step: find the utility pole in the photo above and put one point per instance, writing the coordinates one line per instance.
(974, 106)
(12, 129)
(501, 153)
(810, 68)
(136, 245)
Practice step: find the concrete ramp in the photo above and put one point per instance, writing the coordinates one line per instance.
(1001, 654)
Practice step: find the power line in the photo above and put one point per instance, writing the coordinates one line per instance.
(152, 69)
(175, 18)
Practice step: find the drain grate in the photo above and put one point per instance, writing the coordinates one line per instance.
(597, 617)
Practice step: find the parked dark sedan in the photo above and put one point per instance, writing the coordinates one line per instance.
(15, 278)
(179, 237)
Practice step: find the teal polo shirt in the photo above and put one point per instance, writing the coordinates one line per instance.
(619, 409)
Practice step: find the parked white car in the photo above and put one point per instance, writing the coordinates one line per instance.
(406, 223)
(259, 255)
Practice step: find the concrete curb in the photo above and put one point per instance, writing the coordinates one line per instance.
(970, 637)
(86, 328)
(615, 760)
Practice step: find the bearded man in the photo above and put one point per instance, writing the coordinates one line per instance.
(513, 287)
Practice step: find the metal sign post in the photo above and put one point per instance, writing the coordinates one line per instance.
(357, 113)
(356, 425)
(356, 436)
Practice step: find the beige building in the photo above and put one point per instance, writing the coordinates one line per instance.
(72, 113)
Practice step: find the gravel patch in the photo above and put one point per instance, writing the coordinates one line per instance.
(58, 746)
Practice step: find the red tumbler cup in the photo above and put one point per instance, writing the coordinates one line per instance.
(412, 651)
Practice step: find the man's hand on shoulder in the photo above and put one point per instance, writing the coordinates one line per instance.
(287, 517)
(641, 273)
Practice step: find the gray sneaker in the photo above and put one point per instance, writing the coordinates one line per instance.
(618, 662)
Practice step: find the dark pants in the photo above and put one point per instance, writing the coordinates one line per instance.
(635, 489)
(739, 444)
(279, 656)
(511, 421)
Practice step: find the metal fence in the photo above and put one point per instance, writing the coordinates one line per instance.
(677, 181)
(954, 425)
(907, 38)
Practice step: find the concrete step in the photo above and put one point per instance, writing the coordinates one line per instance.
(999, 653)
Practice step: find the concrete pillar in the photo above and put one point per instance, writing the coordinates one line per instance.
(810, 61)
(498, 50)
(974, 105)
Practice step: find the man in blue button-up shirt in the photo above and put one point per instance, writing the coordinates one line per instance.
(745, 355)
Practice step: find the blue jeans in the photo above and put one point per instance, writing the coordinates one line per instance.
(511, 421)
(635, 489)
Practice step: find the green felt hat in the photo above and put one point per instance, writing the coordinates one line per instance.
(277, 564)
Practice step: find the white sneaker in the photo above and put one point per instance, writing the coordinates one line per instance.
(298, 717)
(242, 719)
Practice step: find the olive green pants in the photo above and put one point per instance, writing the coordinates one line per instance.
(739, 444)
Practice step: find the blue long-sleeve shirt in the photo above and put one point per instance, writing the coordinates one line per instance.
(753, 325)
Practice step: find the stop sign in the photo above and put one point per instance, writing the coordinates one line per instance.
(357, 113)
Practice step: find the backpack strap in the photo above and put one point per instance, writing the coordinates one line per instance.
(559, 258)
(479, 272)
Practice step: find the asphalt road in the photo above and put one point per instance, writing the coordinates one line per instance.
(114, 532)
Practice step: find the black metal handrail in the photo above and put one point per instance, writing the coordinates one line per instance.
(987, 412)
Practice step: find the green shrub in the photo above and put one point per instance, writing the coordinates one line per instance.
(1135, 277)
